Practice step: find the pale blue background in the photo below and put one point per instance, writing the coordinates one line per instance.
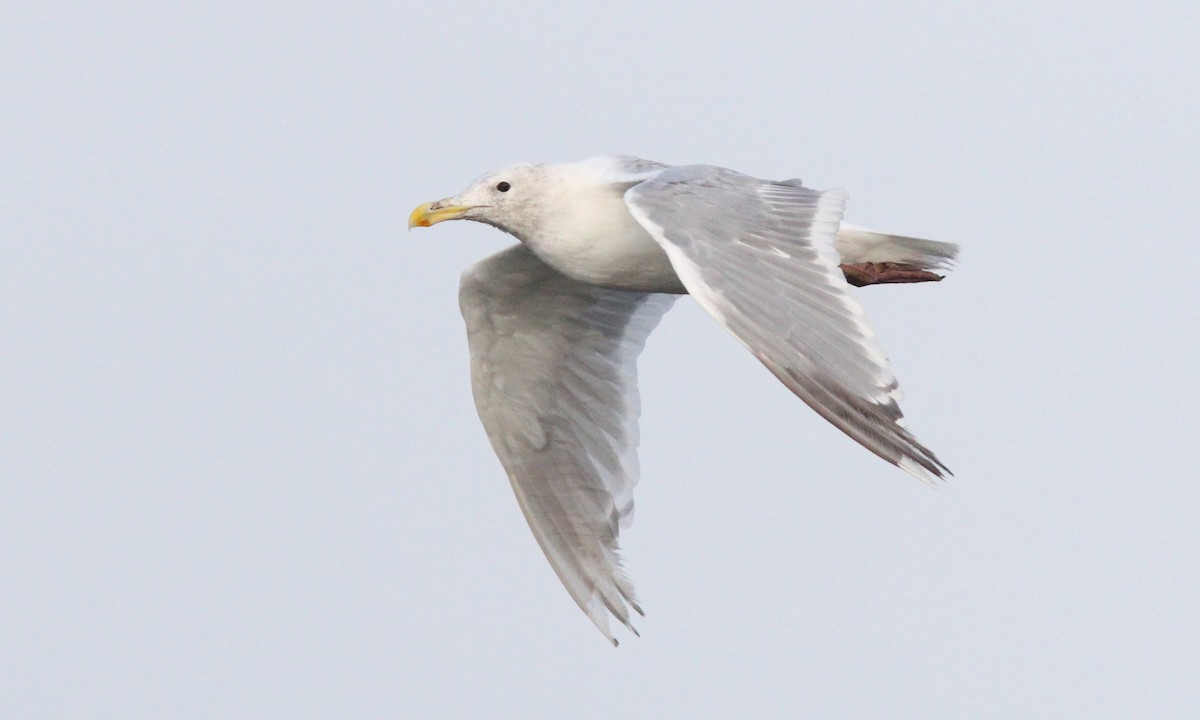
(241, 475)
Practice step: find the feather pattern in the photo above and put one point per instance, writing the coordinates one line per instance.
(553, 369)
(761, 258)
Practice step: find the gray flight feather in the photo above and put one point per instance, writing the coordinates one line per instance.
(761, 258)
(553, 369)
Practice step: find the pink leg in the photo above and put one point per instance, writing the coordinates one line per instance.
(859, 274)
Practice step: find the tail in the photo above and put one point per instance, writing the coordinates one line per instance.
(859, 245)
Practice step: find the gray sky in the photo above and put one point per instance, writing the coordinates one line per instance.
(242, 475)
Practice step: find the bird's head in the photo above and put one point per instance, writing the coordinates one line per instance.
(508, 198)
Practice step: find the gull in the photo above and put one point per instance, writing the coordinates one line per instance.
(555, 324)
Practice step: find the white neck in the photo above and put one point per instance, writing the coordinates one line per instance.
(585, 231)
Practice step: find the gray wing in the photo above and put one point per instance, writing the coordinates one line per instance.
(760, 257)
(553, 369)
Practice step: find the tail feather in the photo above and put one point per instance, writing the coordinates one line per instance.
(859, 245)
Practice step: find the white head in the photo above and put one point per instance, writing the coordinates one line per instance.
(511, 199)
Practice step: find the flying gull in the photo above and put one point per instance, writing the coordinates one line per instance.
(556, 322)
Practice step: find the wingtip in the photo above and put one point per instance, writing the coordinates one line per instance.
(933, 473)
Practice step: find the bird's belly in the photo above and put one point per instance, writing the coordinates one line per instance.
(619, 254)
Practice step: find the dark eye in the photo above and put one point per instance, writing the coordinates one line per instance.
(503, 186)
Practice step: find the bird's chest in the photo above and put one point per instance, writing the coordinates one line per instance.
(602, 244)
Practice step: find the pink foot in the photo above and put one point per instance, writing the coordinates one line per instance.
(859, 274)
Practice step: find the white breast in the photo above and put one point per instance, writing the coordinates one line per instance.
(588, 234)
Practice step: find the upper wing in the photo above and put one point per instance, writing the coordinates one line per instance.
(624, 169)
(553, 368)
(760, 257)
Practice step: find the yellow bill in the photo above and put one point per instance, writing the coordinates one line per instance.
(434, 213)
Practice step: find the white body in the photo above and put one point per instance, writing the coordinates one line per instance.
(587, 232)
